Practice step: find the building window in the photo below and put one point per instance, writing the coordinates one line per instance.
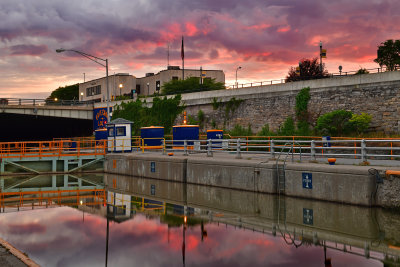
(138, 88)
(95, 90)
(120, 131)
(175, 78)
(158, 86)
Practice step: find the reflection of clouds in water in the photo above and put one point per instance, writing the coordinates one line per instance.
(60, 238)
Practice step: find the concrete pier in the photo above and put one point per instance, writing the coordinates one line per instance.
(336, 183)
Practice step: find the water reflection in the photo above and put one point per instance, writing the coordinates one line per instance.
(157, 223)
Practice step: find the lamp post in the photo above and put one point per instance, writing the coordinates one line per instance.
(238, 68)
(148, 92)
(96, 60)
(320, 56)
(81, 96)
(120, 88)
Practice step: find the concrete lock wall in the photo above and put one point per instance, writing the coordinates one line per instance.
(376, 94)
(338, 183)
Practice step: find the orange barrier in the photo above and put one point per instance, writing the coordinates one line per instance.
(52, 148)
(392, 172)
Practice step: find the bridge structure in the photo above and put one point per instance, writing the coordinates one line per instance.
(40, 107)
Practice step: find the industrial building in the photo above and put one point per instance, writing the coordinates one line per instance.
(125, 84)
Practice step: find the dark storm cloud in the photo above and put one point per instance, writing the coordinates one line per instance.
(31, 50)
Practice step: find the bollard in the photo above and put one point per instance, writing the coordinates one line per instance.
(185, 152)
(313, 150)
(209, 148)
(238, 149)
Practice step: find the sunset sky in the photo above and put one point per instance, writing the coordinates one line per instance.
(264, 37)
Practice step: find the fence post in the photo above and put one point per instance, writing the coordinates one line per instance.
(209, 148)
(185, 153)
(313, 150)
(238, 149)
(272, 148)
(363, 151)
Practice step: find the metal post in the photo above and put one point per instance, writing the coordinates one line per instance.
(238, 149)
(185, 152)
(164, 147)
(320, 56)
(209, 148)
(272, 149)
(363, 151)
(108, 93)
(313, 150)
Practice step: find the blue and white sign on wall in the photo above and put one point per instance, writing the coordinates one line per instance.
(308, 216)
(153, 166)
(307, 180)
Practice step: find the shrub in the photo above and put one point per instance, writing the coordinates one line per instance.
(288, 128)
(335, 123)
(241, 131)
(265, 131)
(360, 123)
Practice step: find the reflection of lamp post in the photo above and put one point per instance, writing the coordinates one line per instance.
(120, 88)
(94, 59)
(238, 68)
(148, 85)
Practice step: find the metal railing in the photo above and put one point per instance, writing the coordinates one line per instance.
(330, 75)
(43, 102)
(312, 147)
(52, 149)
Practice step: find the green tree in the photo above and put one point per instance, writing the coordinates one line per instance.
(309, 69)
(191, 84)
(163, 112)
(68, 92)
(335, 123)
(388, 54)
(301, 108)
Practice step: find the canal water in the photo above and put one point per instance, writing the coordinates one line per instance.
(100, 220)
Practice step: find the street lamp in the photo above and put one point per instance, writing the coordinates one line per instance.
(120, 88)
(81, 96)
(148, 85)
(96, 60)
(238, 68)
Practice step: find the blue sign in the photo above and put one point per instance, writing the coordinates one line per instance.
(153, 189)
(100, 118)
(308, 216)
(307, 180)
(153, 166)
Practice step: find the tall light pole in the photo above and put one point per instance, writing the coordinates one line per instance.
(238, 68)
(96, 60)
(148, 86)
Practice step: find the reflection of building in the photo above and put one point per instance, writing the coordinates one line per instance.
(123, 84)
(119, 206)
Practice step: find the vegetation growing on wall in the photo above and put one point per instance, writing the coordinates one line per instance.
(163, 112)
(231, 106)
(301, 108)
